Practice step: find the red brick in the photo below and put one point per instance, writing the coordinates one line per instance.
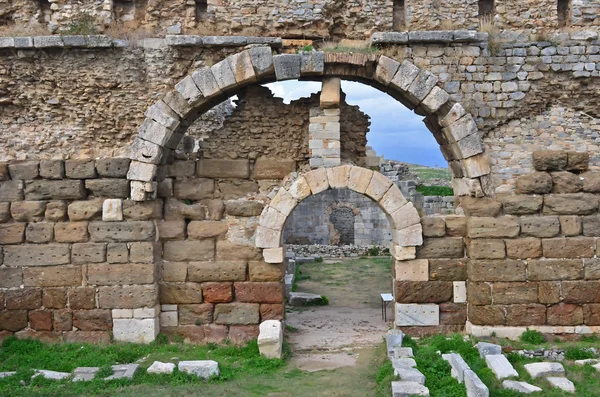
(217, 292)
(40, 320)
(270, 292)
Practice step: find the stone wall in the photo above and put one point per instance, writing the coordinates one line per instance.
(310, 222)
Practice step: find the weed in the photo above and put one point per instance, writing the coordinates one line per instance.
(578, 353)
(82, 23)
(373, 251)
(104, 372)
(349, 46)
(291, 329)
(161, 339)
(384, 377)
(486, 25)
(319, 259)
(435, 190)
(306, 48)
(532, 336)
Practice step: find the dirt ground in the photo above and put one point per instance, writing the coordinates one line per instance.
(328, 337)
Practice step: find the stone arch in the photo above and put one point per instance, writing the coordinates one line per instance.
(404, 219)
(167, 120)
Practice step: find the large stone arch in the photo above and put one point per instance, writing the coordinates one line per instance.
(167, 120)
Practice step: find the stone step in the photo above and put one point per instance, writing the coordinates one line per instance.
(488, 348)
(304, 299)
(537, 370)
(522, 387)
(405, 362)
(500, 366)
(402, 352)
(410, 375)
(562, 383)
(393, 338)
(408, 389)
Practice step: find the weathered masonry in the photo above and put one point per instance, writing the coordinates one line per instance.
(114, 222)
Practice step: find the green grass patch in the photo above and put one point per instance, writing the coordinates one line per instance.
(427, 173)
(435, 190)
(578, 353)
(533, 337)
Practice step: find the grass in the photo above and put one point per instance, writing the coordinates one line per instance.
(435, 190)
(532, 336)
(426, 173)
(23, 356)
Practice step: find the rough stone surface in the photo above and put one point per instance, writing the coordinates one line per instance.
(538, 370)
(202, 368)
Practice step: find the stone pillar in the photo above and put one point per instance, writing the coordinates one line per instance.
(324, 128)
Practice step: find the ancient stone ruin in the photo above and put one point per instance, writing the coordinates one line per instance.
(115, 222)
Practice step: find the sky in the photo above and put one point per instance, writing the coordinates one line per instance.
(396, 132)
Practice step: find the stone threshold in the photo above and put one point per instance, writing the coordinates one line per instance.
(515, 332)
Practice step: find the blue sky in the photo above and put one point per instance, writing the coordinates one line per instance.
(396, 132)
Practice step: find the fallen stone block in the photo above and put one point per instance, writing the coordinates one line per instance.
(393, 338)
(305, 299)
(458, 366)
(522, 387)
(538, 370)
(6, 374)
(158, 367)
(408, 389)
(125, 371)
(587, 361)
(402, 352)
(500, 366)
(53, 375)
(562, 383)
(202, 368)
(270, 339)
(410, 375)
(488, 348)
(475, 387)
(85, 374)
(404, 362)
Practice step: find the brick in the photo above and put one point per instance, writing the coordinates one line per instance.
(511, 293)
(117, 253)
(218, 168)
(52, 276)
(127, 297)
(82, 298)
(13, 320)
(71, 232)
(522, 204)
(265, 168)
(581, 291)
(217, 292)
(54, 298)
(271, 311)
(555, 269)
(12, 233)
(566, 182)
(456, 226)
(55, 190)
(25, 170)
(62, 320)
(571, 204)
(564, 314)
(40, 320)
(492, 227)
(483, 207)
(88, 253)
(28, 298)
(11, 277)
(194, 189)
(121, 274)
(447, 247)
(56, 211)
(122, 231)
(524, 248)
(486, 315)
(255, 292)
(486, 249)
(534, 183)
(171, 293)
(448, 269)
(550, 160)
(80, 169)
(93, 320)
(174, 271)
(236, 313)
(178, 251)
(539, 226)
(570, 225)
(36, 255)
(496, 270)
(581, 247)
(198, 230)
(479, 293)
(40, 232)
(28, 211)
(433, 226)
(549, 292)
(262, 271)
(423, 291)
(198, 314)
(531, 314)
(11, 191)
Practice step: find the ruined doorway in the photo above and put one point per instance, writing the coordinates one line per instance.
(341, 226)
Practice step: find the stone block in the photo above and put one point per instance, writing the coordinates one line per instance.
(262, 271)
(236, 313)
(271, 311)
(176, 210)
(456, 226)
(215, 168)
(189, 250)
(112, 167)
(475, 387)
(198, 230)
(195, 314)
(11, 191)
(403, 253)
(392, 200)
(204, 369)
(571, 225)
(534, 183)
(28, 211)
(522, 205)
(52, 169)
(270, 339)
(524, 248)
(41, 232)
(571, 204)
(259, 292)
(312, 63)
(136, 330)
(283, 202)
(4, 212)
(549, 292)
(262, 60)
(168, 319)
(564, 314)
(144, 172)
(265, 168)
(231, 190)
(224, 75)
(217, 271)
(486, 227)
(580, 291)
(108, 187)
(378, 186)
(423, 291)
(274, 255)
(330, 93)
(359, 179)
(112, 210)
(267, 238)
(12, 233)
(127, 297)
(460, 291)
(52, 276)
(217, 292)
(591, 181)
(287, 66)
(481, 207)
(393, 339)
(413, 270)
(521, 387)
(23, 170)
(539, 370)
(52, 375)
(13, 320)
(496, 270)
(82, 298)
(566, 182)
(408, 389)
(158, 367)
(561, 383)
(417, 315)
(56, 211)
(93, 320)
(447, 247)
(10, 278)
(404, 77)
(121, 274)
(194, 189)
(174, 271)
(527, 314)
(300, 189)
(54, 190)
(448, 269)
(241, 66)
(408, 374)
(486, 249)
(85, 210)
(171, 293)
(581, 247)
(410, 236)
(117, 253)
(317, 180)
(555, 269)
(122, 231)
(433, 102)
(539, 226)
(550, 160)
(36, 255)
(80, 169)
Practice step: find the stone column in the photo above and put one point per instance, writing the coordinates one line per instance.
(324, 128)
